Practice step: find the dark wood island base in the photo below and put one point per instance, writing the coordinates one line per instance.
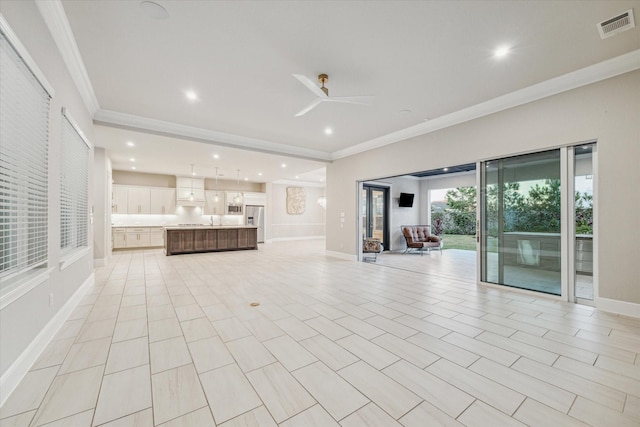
(187, 240)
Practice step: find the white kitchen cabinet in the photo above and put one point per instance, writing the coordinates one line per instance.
(138, 200)
(256, 199)
(119, 238)
(156, 237)
(213, 206)
(162, 201)
(138, 237)
(185, 182)
(119, 198)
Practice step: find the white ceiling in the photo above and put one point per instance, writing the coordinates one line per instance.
(433, 58)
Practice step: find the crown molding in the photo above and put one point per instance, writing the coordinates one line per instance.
(594, 73)
(160, 127)
(55, 17)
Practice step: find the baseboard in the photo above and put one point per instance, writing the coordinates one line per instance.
(16, 372)
(341, 255)
(618, 307)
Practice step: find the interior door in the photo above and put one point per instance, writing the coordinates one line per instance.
(375, 215)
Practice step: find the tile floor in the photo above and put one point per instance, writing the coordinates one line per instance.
(173, 341)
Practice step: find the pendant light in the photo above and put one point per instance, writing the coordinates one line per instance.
(236, 199)
(216, 198)
(192, 174)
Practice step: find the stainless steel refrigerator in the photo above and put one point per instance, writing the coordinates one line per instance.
(255, 216)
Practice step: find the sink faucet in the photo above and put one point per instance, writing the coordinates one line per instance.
(211, 223)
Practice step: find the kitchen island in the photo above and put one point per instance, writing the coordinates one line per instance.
(192, 239)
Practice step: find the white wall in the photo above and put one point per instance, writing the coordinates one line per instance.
(607, 111)
(25, 318)
(283, 226)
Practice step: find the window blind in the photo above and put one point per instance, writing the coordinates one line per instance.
(24, 132)
(74, 187)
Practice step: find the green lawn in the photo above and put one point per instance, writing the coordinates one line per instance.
(457, 241)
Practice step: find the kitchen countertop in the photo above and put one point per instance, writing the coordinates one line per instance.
(137, 226)
(206, 227)
(185, 227)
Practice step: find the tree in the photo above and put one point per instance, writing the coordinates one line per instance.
(462, 199)
(584, 213)
(543, 208)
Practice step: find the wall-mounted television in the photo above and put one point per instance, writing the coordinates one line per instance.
(406, 200)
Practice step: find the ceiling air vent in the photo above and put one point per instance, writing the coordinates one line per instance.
(617, 24)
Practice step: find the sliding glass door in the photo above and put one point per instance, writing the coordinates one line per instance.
(537, 222)
(521, 222)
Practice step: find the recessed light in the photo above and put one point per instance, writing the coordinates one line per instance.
(154, 10)
(216, 156)
(132, 159)
(501, 52)
(133, 167)
(259, 173)
(284, 165)
(130, 144)
(246, 179)
(445, 169)
(328, 131)
(297, 177)
(193, 173)
(191, 95)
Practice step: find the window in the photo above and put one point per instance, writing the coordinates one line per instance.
(24, 132)
(74, 187)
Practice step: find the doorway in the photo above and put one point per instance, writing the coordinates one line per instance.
(375, 213)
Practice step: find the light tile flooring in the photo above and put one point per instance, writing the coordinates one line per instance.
(174, 341)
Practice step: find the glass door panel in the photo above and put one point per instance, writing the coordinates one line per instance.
(521, 219)
(583, 221)
(378, 214)
(365, 205)
(375, 202)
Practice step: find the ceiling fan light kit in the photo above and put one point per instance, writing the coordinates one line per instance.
(322, 79)
(322, 94)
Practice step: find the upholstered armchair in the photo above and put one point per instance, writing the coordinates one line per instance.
(419, 238)
(371, 246)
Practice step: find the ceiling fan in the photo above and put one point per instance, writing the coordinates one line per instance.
(322, 94)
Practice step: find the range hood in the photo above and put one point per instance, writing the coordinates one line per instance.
(189, 191)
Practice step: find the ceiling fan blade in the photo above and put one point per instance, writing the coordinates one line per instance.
(310, 85)
(361, 100)
(309, 107)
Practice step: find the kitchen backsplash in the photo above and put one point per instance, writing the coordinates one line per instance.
(184, 215)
